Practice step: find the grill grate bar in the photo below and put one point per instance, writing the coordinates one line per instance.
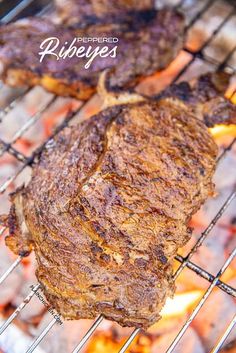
(19, 308)
(7, 147)
(194, 313)
(201, 302)
(210, 60)
(199, 14)
(227, 149)
(199, 53)
(205, 233)
(32, 120)
(16, 11)
(35, 343)
(10, 269)
(32, 158)
(129, 340)
(207, 276)
(88, 334)
(13, 104)
(45, 10)
(227, 58)
(179, 4)
(224, 336)
(5, 185)
(2, 230)
(190, 265)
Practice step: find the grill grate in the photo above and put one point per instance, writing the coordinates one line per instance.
(214, 281)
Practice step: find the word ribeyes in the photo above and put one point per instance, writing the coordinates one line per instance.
(51, 46)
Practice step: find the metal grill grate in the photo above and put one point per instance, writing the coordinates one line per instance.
(183, 261)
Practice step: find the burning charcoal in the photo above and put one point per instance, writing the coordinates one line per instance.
(168, 324)
(232, 282)
(8, 94)
(214, 317)
(225, 173)
(103, 342)
(224, 42)
(192, 7)
(67, 335)
(205, 26)
(57, 112)
(231, 245)
(15, 341)
(212, 206)
(93, 106)
(34, 310)
(8, 167)
(207, 257)
(190, 343)
(24, 177)
(34, 101)
(119, 331)
(4, 204)
(197, 68)
(159, 81)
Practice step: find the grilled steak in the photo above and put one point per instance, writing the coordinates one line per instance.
(87, 11)
(108, 207)
(205, 98)
(148, 41)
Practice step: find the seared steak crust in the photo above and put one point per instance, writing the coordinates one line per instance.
(108, 206)
(148, 42)
(88, 11)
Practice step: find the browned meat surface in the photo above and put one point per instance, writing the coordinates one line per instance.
(148, 41)
(109, 204)
(205, 98)
(88, 11)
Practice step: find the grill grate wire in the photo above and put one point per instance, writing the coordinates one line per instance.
(184, 261)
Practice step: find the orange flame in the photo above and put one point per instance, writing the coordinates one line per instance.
(111, 342)
(181, 303)
(223, 130)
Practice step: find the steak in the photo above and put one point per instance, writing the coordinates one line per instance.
(109, 204)
(148, 42)
(205, 98)
(87, 11)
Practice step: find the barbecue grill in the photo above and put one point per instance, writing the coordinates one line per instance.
(13, 10)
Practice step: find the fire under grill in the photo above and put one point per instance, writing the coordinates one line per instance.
(193, 53)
